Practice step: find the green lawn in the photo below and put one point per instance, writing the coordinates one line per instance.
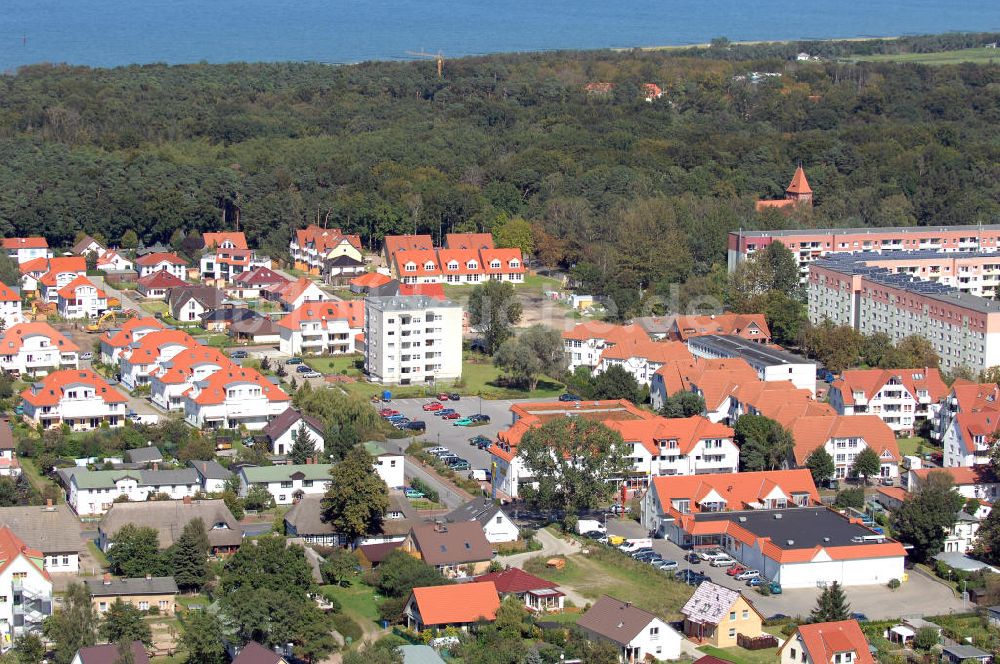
(154, 306)
(978, 55)
(359, 601)
(36, 478)
(739, 655)
(909, 446)
(336, 364)
(540, 283)
(608, 572)
(97, 554)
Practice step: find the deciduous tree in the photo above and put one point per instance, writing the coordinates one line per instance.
(124, 623)
(616, 383)
(821, 465)
(866, 464)
(135, 552)
(924, 519)
(683, 404)
(764, 444)
(494, 310)
(202, 638)
(358, 498)
(74, 625)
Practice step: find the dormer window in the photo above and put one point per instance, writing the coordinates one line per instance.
(453, 265)
(410, 267)
(472, 265)
(515, 263)
(428, 266)
(495, 264)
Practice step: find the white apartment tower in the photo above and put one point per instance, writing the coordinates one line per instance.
(412, 339)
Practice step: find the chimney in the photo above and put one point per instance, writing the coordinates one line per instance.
(107, 579)
(187, 500)
(156, 466)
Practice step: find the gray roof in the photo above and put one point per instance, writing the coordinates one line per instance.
(961, 561)
(305, 516)
(50, 530)
(964, 652)
(913, 230)
(419, 654)
(617, 621)
(105, 479)
(156, 585)
(757, 355)
(478, 509)
(710, 603)
(452, 544)
(169, 517)
(209, 297)
(408, 303)
(147, 454)
(210, 470)
(656, 324)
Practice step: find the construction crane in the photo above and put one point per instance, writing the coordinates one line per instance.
(439, 57)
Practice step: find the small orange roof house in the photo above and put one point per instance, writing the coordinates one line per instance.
(458, 605)
(827, 643)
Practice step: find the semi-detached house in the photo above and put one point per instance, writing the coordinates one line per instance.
(172, 378)
(288, 483)
(234, 397)
(77, 398)
(32, 349)
(840, 642)
(93, 492)
(902, 398)
(114, 341)
(162, 261)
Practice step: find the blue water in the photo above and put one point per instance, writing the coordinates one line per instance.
(119, 32)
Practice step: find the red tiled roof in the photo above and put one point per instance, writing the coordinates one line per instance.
(727, 324)
(68, 292)
(160, 257)
(213, 391)
(421, 259)
(514, 580)
(7, 294)
(147, 349)
(609, 332)
(870, 381)
(458, 603)
(780, 203)
(353, 311)
(109, 257)
(812, 432)
(799, 184)
(324, 239)
(11, 546)
(259, 276)
(961, 475)
(739, 490)
(824, 640)
(160, 280)
(53, 385)
(687, 431)
(293, 290)
(124, 336)
(180, 368)
(652, 351)
(25, 243)
(237, 238)
(976, 396)
(13, 338)
(370, 280)
(506, 257)
(435, 291)
(474, 241)
(396, 243)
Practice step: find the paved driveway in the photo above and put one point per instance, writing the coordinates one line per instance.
(919, 596)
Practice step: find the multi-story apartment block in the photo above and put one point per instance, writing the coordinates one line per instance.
(313, 247)
(970, 438)
(963, 329)
(586, 343)
(25, 585)
(10, 306)
(172, 378)
(78, 398)
(902, 398)
(226, 256)
(24, 249)
(844, 437)
(234, 397)
(134, 329)
(808, 245)
(642, 358)
(412, 339)
(655, 445)
(324, 328)
(80, 298)
(466, 258)
(965, 397)
(752, 327)
(155, 262)
(32, 349)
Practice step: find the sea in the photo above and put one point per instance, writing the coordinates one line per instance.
(109, 33)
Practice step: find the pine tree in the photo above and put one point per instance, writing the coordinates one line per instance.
(303, 448)
(190, 556)
(831, 606)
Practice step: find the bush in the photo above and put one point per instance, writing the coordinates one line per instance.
(854, 497)
(426, 489)
(894, 583)
(347, 627)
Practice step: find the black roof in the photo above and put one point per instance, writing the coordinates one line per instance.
(796, 527)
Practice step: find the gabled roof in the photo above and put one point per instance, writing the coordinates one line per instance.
(110, 256)
(254, 653)
(477, 509)
(54, 265)
(213, 389)
(687, 431)
(457, 604)
(168, 518)
(514, 580)
(34, 242)
(293, 290)
(157, 585)
(125, 335)
(610, 333)
(289, 419)
(976, 396)
(324, 239)
(961, 475)
(435, 291)
(370, 280)
(475, 241)
(160, 257)
(376, 553)
(799, 184)
(107, 653)
(396, 243)
(8, 294)
(148, 454)
(13, 338)
(68, 292)
(12, 546)
(160, 280)
(237, 238)
(977, 424)
(710, 603)
(180, 368)
(84, 244)
(210, 470)
(305, 471)
(452, 544)
(659, 352)
(209, 297)
(49, 530)
(726, 324)
(259, 276)
(714, 379)
(534, 414)
(49, 391)
(351, 311)
(780, 400)
(812, 432)
(619, 622)
(870, 381)
(421, 258)
(824, 640)
(738, 490)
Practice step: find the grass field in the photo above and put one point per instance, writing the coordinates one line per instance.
(359, 601)
(336, 364)
(977, 55)
(739, 655)
(607, 572)
(36, 478)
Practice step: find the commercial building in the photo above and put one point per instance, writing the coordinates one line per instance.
(962, 328)
(771, 364)
(323, 328)
(808, 245)
(902, 398)
(78, 398)
(412, 340)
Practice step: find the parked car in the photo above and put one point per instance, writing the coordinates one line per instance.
(666, 565)
(480, 475)
(569, 397)
(134, 416)
(479, 440)
(442, 397)
(236, 355)
(451, 416)
(860, 617)
(735, 569)
(401, 422)
(416, 425)
(89, 356)
(454, 396)
(294, 360)
(690, 577)
(412, 493)
(444, 411)
(435, 450)
(593, 534)
(693, 558)
(711, 554)
(303, 368)
(479, 417)
(386, 412)
(311, 374)
(432, 406)
(725, 561)
(463, 422)
(746, 575)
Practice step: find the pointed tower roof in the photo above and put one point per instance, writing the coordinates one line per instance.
(799, 184)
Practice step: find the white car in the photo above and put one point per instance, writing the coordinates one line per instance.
(724, 561)
(436, 450)
(748, 574)
(312, 374)
(87, 356)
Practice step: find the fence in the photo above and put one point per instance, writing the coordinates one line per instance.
(756, 642)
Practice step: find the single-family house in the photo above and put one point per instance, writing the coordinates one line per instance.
(169, 517)
(497, 526)
(455, 549)
(50, 529)
(294, 294)
(24, 249)
(457, 606)
(637, 633)
(156, 285)
(189, 303)
(288, 483)
(388, 465)
(254, 653)
(143, 594)
(81, 298)
(537, 594)
(9, 465)
(113, 261)
(33, 349)
(147, 455)
(716, 615)
(162, 262)
(826, 643)
(78, 398)
(10, 306)
(109, 653)
(211, 474)
(249, 285)
(283, 430)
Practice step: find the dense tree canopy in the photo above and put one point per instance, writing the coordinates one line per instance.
(924, 519)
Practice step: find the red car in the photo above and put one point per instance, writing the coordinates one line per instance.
(735, 569)
(451, 416)
(443, 396)
(432, 406)
(388, 412)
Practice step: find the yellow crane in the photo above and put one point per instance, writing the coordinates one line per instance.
(438, 57)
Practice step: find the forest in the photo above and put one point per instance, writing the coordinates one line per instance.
(632, 194)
